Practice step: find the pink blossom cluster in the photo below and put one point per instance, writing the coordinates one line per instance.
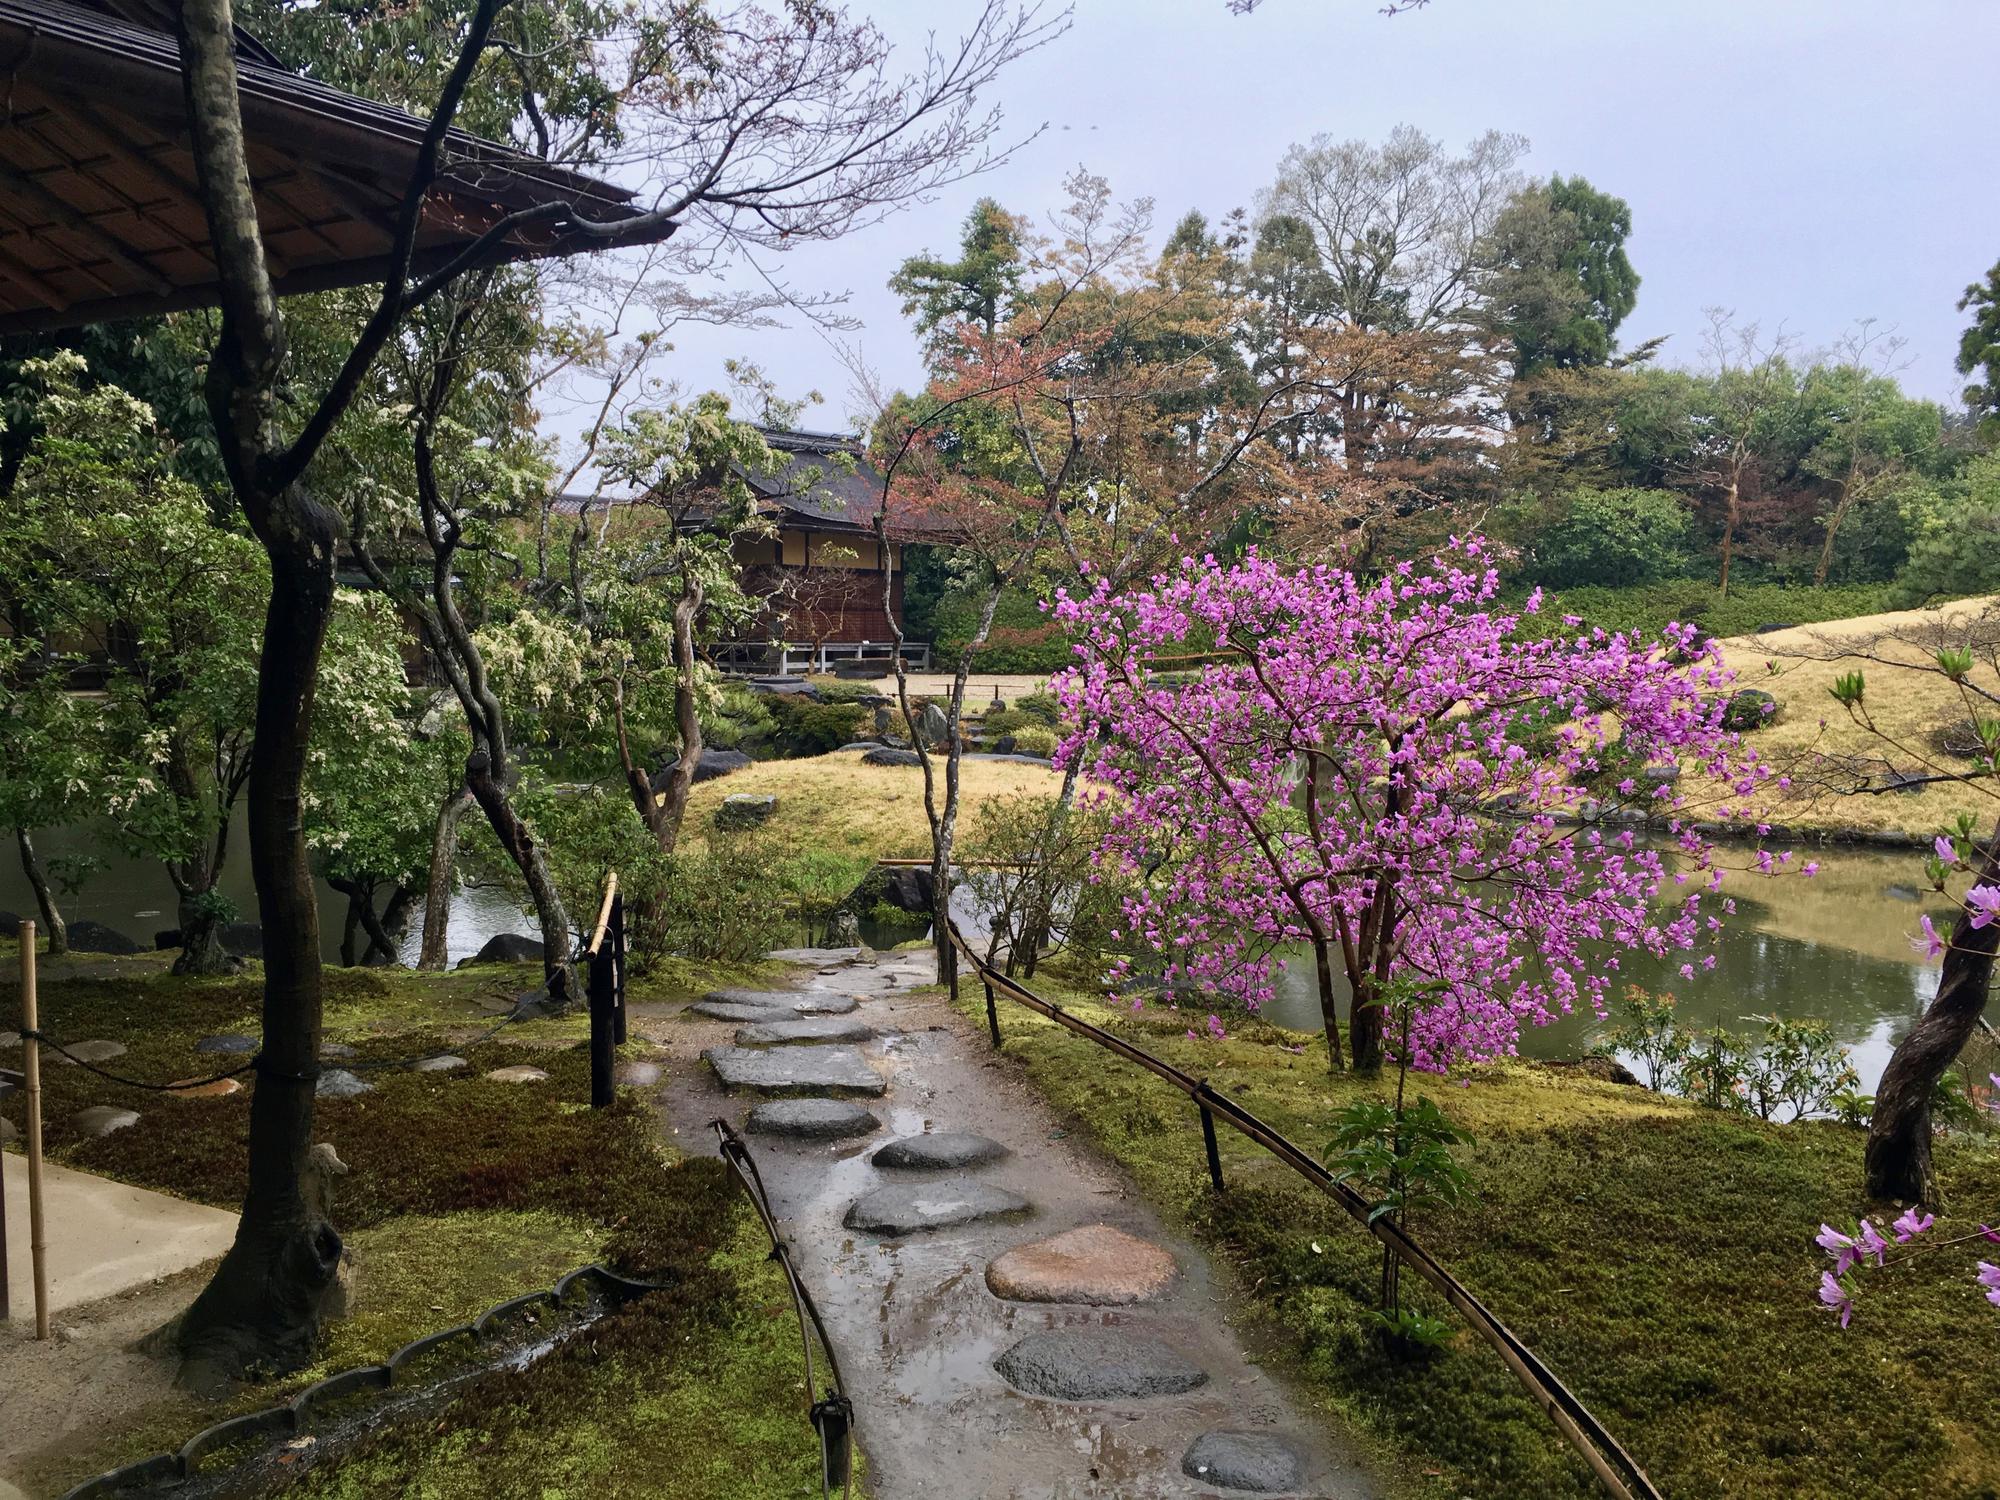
(1853, 1252)
(1394, 769)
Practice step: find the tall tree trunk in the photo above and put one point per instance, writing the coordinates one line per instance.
(350, 927)
(387, 929)
(201, 927)
(1329, 1002)
(436, 949)
(53, 925)
(674, 797)
(528, 858)
(1735, 494)
(1364, 1026)
(1899, 1133)
(262, 1306)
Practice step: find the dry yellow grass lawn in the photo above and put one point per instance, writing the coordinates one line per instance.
(836, 804)
(1907, 706)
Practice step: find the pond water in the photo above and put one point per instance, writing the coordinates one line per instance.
(135, 897)
(1835, 947)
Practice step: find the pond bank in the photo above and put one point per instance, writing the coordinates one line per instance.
(1658, 1256)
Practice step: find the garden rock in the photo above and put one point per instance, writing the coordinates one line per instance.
(8, 1134)
(86, 936)
(743, 810)
(945, 1149)
(733, 1010)
(884, 720)
(231, 1044)
(506, 948)
(450, 1062)
(90, 1052)
(1665, 774)
(1004, 745)
(336, 1050)
(714, 765)
(912, 1208)
(933, 728)
(790, 1002)
(811, 1119)
(518, 1073)
(889, 755)
(1098, 1265)
(1096, 1364)
(782, 1070)
(843, 930)
(905, 887)
(338, 1083)
(10, 924)
(101, 1119)
(1260, 1462)
(220, 1088)
(805, 1029)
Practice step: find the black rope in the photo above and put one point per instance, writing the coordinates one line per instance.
(137, 1083)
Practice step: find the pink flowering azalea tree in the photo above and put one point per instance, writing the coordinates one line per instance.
(1400, 777)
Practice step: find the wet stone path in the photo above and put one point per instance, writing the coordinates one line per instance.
(1013, 1322)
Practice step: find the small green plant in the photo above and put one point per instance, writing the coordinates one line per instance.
(1647, 1033)
(1042, 705)
(1800, 1066)
(1033, 739)
(1711, 1070)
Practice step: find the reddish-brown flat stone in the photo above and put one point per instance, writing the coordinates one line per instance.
(1097, 1264)
(219, 1089)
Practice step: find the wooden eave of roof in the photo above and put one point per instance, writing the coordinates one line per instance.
(100, 219)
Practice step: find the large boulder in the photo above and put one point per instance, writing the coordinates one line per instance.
(10, 924)
(746, 810)
(889, 755)
(87, 936)
(933, 726)
(506, 948)
(714, 765)
(905, 887)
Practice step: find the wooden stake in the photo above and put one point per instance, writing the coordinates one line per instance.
(31, 1072)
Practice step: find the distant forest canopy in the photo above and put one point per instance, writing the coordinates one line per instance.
(1420, 341)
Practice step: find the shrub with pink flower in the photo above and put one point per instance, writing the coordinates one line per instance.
(1394, 774)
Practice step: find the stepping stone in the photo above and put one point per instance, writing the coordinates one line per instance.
(8, 1134)
(451, 1062)
(945, 1148)
(101, 1119)
(730, 1010)
(909, 1208)
(233, 1044)
(795, 1002)
(1097, 1264)
(338, 1083)
(811, 1119)
(10, 1038)
(1096, 1364)
(518, 1073)
(815, 956)
(637, 1075)
(336, 1050)
(782, 1070)
(91, 1052)
(220, 1088)
(805, 1029)
(1261, 1462)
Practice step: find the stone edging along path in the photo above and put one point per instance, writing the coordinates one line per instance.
(1014, 1322)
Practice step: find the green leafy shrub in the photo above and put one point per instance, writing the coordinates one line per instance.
(802, 727)
(1647, 608)
(1033, 739)
(1611, 537)
(1042, 705)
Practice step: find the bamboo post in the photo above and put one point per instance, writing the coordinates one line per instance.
(31, 1073)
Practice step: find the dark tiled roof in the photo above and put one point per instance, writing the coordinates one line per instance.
(826, 478)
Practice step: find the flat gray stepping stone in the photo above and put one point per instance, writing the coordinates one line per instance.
(945, 1148)
(731, 1010)
(638, 1075)
(811, 1119)
(102, 1119)
(338, 1083)
(795, 1070)
(1098, 1265)
(449, 1063)
(1096, 1364)
(1262, 1462)
(10, 1038)
(805, 1029)
(234, 1044)
(909, 1207)
(335, 1049)
(90, 1052)
(793, 1002)
(518, 1073)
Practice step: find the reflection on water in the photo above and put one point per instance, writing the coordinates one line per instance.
(1835, 947)
(136, 898)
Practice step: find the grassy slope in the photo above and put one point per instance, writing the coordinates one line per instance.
(1659, 1257)
(1906, 705)
(463, 1192)
(836, 804)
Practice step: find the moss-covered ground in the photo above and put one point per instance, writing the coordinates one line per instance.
(1658, 1257)
(462, 1192)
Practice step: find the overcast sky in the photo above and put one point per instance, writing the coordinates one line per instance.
(1804, 162)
